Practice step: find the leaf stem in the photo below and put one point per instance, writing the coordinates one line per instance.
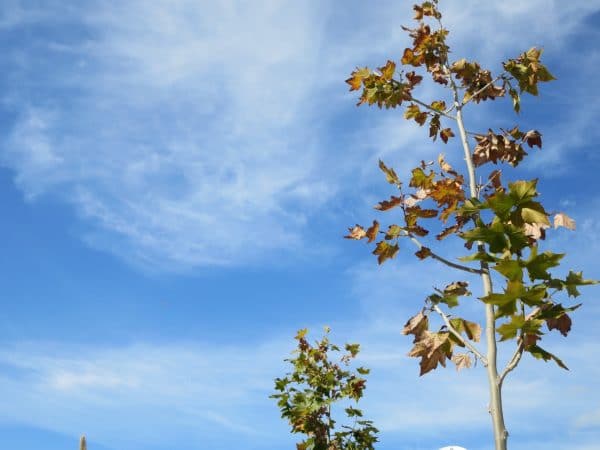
(435, 111)
(479, 91)
(444, 260)
(458, 336)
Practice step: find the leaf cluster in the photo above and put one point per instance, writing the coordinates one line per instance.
(504, 222)
(319, 380)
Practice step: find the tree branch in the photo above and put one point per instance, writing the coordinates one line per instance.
(458, 336)
(444, 260)
(479, 91)
(514, 361)
(435, 111)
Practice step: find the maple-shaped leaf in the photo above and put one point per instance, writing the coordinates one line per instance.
(416, 325)
(387, 71)
(445, 166)
(414, 112)
(562, 220)
(415, 198)
(385, 251)
(535, 231)
(447, 232)
(420, 180)
(423, 253)
(575, 279)
(539, 353)
(433, 349)
(462, 361)
(393, 232)
(445, 134)
(357, 232)
(389, 204)
(457, 288)
(390, 174)
(356, 78)
(518, 323)
(413, 79)
(538, 264)
(561, 323)
(371, 233)
(438, 73)
(471, 329)
(533, 137)
(497, 148)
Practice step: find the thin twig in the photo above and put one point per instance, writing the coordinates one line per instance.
(435, 111)
(444, 260)
(458, 336)
(514, 361)
(479, 91)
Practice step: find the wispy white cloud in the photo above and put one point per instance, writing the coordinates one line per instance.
(190, 134)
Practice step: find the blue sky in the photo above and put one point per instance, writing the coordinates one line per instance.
(175, 178)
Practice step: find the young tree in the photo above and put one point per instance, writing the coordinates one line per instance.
(503, 224)
(307, 397)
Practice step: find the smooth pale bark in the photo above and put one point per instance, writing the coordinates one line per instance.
(495, 385)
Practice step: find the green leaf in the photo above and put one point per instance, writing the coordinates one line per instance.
(575, 279)
(385, 251)
(501, 204)
(533, 212)
(516, 99)
(479, 256)
(471, 329)
(518, 323)
(390, 174)
(539, 353)
(538, 264)
(522, 191)
(420, 180)
(493, 237)
(510, 269)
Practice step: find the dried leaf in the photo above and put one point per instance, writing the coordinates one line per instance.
(357, 232)
(562, 220)
(371, 233)
(423, 253)
(462, 361)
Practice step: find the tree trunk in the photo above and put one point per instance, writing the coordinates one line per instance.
(495, 408)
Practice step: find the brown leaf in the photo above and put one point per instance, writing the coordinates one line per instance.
(415, 198)
(447, 232)
(457, 288)
(495, 180)
(371, 233)
(445, 166)
(413, 79)
(535, 231)
(390, 174)
(445, 134)
(388, 204)
(357, 232)
(497, 148)
(387, 71)
(530, 339)
(462, 361)
(533, 137)
(561, 323)
(423, 253)
(356, 78)
(385, 251)
(416, 325)
(562, 220)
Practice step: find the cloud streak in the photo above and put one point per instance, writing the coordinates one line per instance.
(190, 135)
